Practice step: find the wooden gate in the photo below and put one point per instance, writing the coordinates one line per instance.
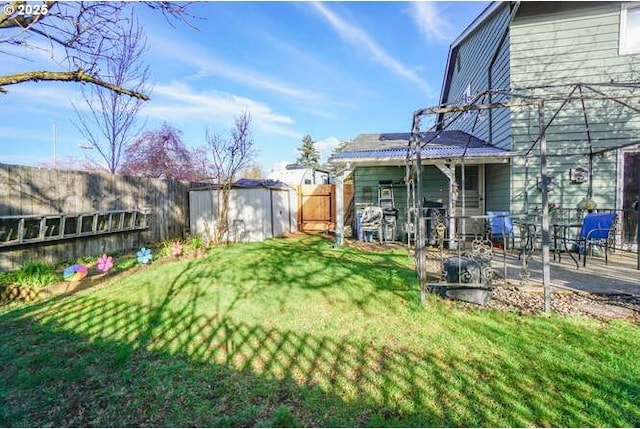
(317, 206)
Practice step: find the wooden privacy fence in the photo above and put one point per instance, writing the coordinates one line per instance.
(63, 198)
(317, 206)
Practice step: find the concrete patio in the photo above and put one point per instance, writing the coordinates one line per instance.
(619, 276)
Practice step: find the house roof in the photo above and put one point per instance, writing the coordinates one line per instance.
(453, 49)
(438, 145)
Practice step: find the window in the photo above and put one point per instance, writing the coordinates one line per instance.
(630, 29)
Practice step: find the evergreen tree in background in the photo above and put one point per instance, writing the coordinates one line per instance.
(309, 155)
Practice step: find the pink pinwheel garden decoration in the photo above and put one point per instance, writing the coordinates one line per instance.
(105, 263)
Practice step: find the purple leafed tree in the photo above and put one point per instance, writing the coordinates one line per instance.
(161, 153)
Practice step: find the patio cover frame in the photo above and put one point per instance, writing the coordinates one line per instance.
(518, 98)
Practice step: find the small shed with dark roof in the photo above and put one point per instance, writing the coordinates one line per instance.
(258, 209)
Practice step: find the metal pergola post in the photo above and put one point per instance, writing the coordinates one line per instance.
(420, 242)
(546, 239)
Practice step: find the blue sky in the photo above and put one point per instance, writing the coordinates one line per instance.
(332, 70)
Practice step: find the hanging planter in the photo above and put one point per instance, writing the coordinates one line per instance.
(587, 204)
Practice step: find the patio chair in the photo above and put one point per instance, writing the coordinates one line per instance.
(597, 229)
(372, 218)
(502, 227)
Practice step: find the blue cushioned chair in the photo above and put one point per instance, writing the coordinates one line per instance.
(597, 229)
(501, 226)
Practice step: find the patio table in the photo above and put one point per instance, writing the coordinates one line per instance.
(562, 232)
(528, 235)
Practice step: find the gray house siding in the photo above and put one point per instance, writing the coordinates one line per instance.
(481, 62)
(499, 119)
(560, 43)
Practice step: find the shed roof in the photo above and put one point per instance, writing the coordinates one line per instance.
(439, 145)
(248, 184)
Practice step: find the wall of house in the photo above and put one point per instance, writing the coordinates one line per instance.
(365, 186)
(482, 62)
(566, 42)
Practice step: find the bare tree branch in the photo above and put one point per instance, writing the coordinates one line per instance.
(85, 33)
(110, 123)
(229, 157)
(70, 76)
(161, 153)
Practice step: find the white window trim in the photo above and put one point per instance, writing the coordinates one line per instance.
(622, 49)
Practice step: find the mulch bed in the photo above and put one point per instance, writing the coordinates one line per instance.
(601, 307)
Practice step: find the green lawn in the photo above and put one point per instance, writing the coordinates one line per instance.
(291, 332)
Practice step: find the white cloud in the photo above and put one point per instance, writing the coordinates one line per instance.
(179, 101)
(280, 165)
(44, 97)
(359, 39)
(430, 21)
(34, 55)
(325, 146)
(207, 65)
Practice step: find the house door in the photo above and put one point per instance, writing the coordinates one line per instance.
(473, 198)
(629, 197)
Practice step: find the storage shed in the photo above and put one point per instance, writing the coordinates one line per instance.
(296, 174)
(258, 209)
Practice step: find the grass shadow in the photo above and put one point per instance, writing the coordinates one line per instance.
(199, 343)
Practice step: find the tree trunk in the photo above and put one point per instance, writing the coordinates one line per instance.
(223, 214)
